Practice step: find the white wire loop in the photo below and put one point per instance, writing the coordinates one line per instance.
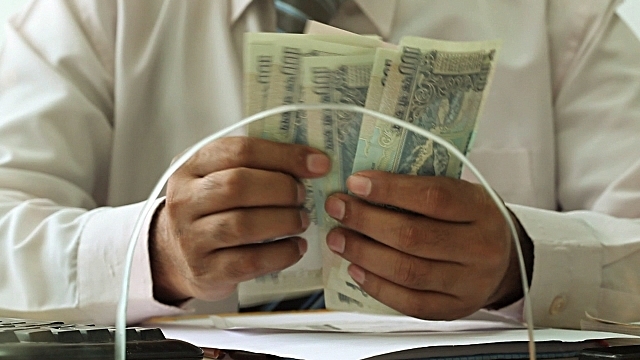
(121, 316)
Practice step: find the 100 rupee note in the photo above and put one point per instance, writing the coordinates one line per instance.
(339, 288)
(438, 86)
(273, 67)
(335, 80)
(383, 62)
(272, 75)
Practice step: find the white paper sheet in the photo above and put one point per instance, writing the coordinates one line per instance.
(337, 321)
(438, 337)
(355, 346)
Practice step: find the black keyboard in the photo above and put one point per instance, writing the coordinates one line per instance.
(22, 339)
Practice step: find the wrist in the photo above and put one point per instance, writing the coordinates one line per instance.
(163, 279)
(510, 289)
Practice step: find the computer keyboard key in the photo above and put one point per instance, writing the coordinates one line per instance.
(132, 334)
(150, 334)
(67, 335)
(35, 335)
(95, 334)
(8, 336)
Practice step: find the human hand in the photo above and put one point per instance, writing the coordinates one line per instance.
(221, 206)
(448, 256)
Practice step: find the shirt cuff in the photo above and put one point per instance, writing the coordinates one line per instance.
(101, 260)
(567, 266)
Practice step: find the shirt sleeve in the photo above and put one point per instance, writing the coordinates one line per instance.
(587, 255)
(61, 250)
(584, 262)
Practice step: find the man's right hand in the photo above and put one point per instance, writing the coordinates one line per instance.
(221, 206)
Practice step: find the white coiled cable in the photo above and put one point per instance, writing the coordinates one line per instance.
(121, 316)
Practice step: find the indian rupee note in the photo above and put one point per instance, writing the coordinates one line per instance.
(272, 73)
(285, 53)
(383, 62)
(258, 65)
(335, 80)
(438, 86)
(339, 288)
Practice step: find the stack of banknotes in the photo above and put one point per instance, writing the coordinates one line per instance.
(437, 85)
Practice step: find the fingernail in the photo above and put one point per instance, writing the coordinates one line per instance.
(302, 193)
(356, 273)
(335, 207)
(304, 218)
(302, 246)
(318, 163)
(359, 185)
(336, 242)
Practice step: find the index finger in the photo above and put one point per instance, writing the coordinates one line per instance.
(437, 197)
(299, 161)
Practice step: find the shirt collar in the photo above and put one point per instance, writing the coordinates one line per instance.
(237, 8)
(380, 12)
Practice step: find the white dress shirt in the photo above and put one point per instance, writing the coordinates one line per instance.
(97, 97)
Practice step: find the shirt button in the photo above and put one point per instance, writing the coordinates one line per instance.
(557, 305)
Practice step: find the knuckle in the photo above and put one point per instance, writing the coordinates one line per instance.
(287, 190)
(373, 288)
(176, 225)
(193, 269)
(405, 272)
(213, 182)
(176, 199)
(173, 203)
(437, 196)
(355, 251)
(243, 268)
(296, 186)
(242, 148)
(352, 217)
(298, 155)
(226, 152)
(292, 224)
(227, 230)
(197, 271)
(228, 183)
(233, 271)
(450, 282)
(442, 237)
(198, 158)
(410, 236)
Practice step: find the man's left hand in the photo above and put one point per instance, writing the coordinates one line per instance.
(445, 254)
